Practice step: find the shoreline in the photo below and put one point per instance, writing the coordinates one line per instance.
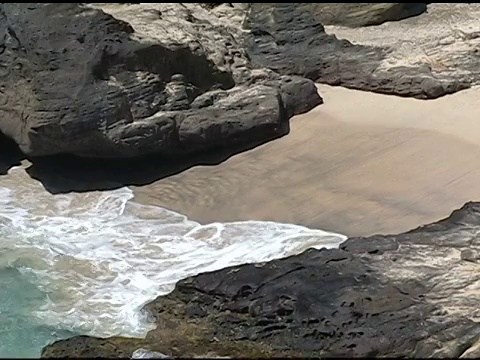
(367, 179)
(360, 164)
(343, 168)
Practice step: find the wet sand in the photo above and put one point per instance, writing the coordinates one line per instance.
(360, 164)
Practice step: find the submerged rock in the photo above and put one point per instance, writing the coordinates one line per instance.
(408, 295)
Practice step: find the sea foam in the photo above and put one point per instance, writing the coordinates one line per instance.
(100, 256)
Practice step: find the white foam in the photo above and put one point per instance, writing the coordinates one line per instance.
(147, 354)
(101, 256)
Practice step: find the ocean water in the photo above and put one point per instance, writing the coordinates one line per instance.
(87, 263)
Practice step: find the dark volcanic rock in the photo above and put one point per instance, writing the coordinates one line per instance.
(88, 347)
(408, 295)
(287, 38)
(364, 14)
(77, 80)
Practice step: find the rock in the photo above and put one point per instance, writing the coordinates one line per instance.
(289, 39)
(425, 45)
(364, 14)
(210, 6)
(88, 347)
(125, 80)
(406, 295)
(125, 83)
(243, 6)
(297, 95)
(469, 255)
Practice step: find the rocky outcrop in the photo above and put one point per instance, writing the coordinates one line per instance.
(289, 39)
(77, 80)
(408, 295)
(127, 80)
(443, 42)
(364, 14)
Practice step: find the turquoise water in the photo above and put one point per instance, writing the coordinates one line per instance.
(20, 335)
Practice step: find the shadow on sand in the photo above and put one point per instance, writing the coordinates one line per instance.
(66, 173)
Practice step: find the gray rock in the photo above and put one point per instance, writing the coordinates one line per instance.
(441, 45)
(288, 38)
(469, 255)
(364, 14)
(86, 83)
(126, 80)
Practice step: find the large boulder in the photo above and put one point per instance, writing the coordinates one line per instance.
(364, 14)
(407, 295)
(156, 78)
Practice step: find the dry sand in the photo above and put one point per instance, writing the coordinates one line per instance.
(360, 164)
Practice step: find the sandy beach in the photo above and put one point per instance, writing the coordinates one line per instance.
(362, 163)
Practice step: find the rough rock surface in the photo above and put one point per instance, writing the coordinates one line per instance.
(124, 80)
(409, 295)
(289, 39)
(445, 40)
(77, 80)
(364, 14)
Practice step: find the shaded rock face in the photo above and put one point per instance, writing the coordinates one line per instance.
(409, 295)
(364, 14)
(289, 39)
(77, 80)
(11, 154)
